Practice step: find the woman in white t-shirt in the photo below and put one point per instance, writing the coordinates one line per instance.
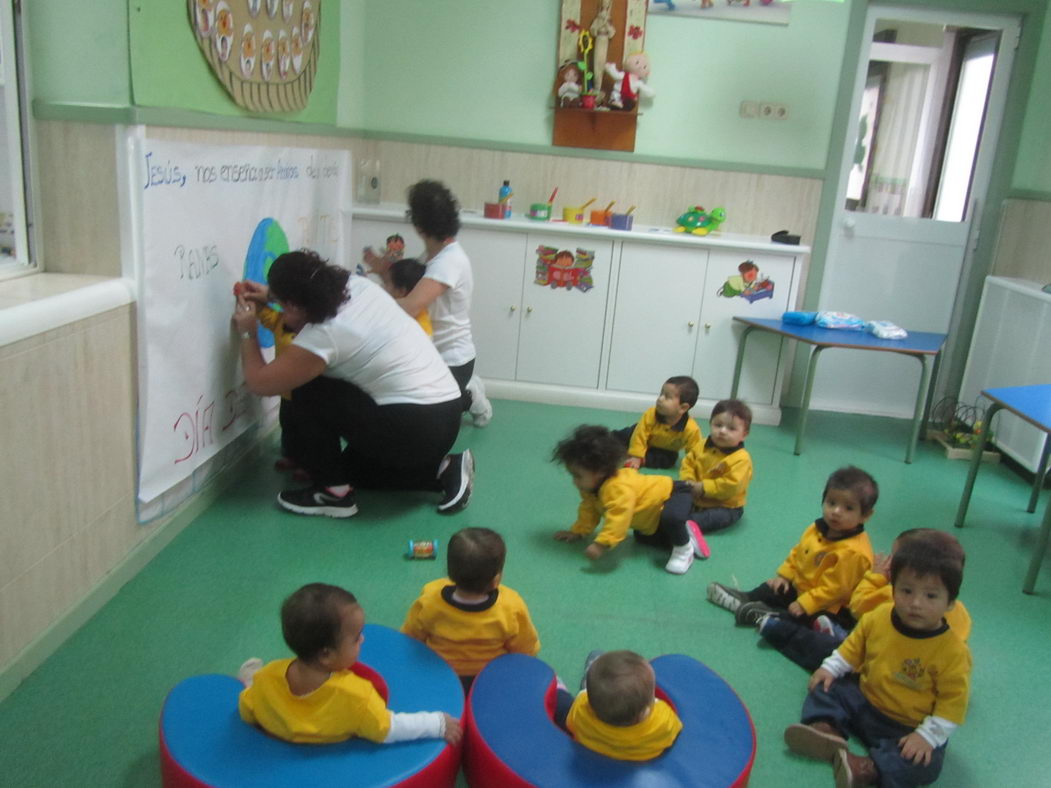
(362, 370)
(445, 289)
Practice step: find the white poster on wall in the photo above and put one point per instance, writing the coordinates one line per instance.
(209, 216)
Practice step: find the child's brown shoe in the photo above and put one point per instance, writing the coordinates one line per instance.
(818, 740)
(853, 770)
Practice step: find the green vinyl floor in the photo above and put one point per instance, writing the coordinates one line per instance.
(88, 715)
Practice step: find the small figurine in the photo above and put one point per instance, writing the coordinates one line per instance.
(629, 84)
(567, 89)
(699, 222)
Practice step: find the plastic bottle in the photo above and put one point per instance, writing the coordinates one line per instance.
(505, 199)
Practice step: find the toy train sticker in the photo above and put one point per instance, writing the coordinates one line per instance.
(747, 284)
(557, 268)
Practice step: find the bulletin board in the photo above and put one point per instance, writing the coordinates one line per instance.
(206, 217)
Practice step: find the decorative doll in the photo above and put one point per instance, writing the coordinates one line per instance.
(568, 85)
(630, 84)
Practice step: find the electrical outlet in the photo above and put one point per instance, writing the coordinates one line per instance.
(749, 109)
(780, 111)
(766, 110)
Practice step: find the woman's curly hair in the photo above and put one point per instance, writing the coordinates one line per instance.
(305, 279)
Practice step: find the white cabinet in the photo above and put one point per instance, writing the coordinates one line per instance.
(674, 316)
(608, 316)
(1012, 334)
(536, 321)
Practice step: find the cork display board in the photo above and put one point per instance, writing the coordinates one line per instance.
(264, 52)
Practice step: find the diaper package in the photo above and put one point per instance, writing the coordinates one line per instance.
(840, 320)
(884, 329)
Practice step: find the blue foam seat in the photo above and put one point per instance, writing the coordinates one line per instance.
(204, 742)
(512, 740)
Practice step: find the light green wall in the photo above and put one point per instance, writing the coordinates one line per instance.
(484, 70)
(79, 51)
(351, 97)
(1032, 169)
(168, 69)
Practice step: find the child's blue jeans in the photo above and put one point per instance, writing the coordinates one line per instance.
(849, 711)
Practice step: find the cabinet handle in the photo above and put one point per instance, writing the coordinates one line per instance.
(690, 324)
(513, 307)
(707, 327)
(529, 310)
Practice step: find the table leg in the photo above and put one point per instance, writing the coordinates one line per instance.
(976, 461)
(740, 361)
(1041, 470)
(921, 406)
(805, 406)
(1038, 551)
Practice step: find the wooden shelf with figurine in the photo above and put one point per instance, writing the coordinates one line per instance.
(596, 103)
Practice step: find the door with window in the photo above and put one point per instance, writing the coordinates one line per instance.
(926, 113)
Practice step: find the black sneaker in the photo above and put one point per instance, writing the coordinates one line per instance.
(725, 597)
(318, 500)
(750, 613)
(456, 481)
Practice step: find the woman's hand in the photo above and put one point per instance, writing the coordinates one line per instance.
(379, 264)
(244, 317)
(253, 292)
(779, 584)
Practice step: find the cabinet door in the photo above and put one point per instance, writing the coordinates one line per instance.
(564, 300)
(496, 264)
(656, 317)
(752, 285)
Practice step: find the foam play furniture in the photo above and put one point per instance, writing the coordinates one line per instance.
(512, 741)
(203, 741)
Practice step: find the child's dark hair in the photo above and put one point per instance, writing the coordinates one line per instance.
(592, 448)
(927, 556)
(394, 237)
(687, 388)
(310, 619)
(936, 540)
(405, 273)
(620, 687)
(475, 557)
(735, 408)
(303, 278)
(858, 482)
(433, 210)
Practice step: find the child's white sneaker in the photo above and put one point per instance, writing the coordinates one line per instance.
(481, 409)
(248, 670)
(681, 559)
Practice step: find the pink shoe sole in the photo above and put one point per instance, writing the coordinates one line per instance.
(700, 546)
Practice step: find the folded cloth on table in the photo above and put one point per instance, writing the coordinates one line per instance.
(841, 320)
(884, 329)
(799, 318)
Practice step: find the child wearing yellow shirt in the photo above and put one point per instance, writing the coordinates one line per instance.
(657, 508)
(315, 698)
(820, 572)
(470, 618)
(617, 713)
(719, 470)
(404, 276)
(665, 429)
(809, 646)
(913, 687)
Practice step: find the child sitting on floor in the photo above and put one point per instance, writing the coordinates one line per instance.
(655, 441)
(616, 712)
(820, 572)
(315, 698)
(914, 681)
(720, 469)
(404, 275)
(656, 507)
(808, 646)
(470, 618)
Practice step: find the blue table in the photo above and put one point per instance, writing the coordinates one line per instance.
(1033, 404)
(920, 345)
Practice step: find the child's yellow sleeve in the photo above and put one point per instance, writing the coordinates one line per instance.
(619, 505)
(588, 515)
(871, 591)
(245, 707)
(690, 469)
(694, 436)
(413, 625)
(526, 640)
(732, 482)
(640, 438)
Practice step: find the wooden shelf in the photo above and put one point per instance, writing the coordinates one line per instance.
(599, 129)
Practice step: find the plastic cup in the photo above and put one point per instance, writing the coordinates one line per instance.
(621, 221)
(601, 218)
(493, 210)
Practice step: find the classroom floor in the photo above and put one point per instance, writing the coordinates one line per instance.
(88, 716)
